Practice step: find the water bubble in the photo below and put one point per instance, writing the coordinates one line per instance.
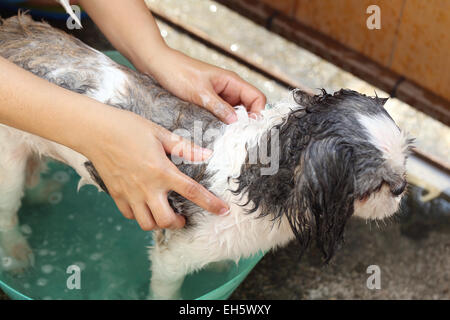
(26, 285)
(43, 252)
(6, 262)
(55, 197)
(61, 176)
(41, 282)
(47, 268)
(118, 227)
(99, 236)
(96, 256)
(26, 229)
(81, 265)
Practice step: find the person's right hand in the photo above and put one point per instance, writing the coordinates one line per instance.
(129, 153)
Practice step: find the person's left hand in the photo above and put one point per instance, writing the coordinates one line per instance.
(208, 86)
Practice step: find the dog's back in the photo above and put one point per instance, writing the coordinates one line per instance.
(66, 61)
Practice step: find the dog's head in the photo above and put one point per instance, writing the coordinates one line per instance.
(340, 155)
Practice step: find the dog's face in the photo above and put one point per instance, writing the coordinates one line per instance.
(352, 163)
(340, 155)
(356, 138)
(381, 181)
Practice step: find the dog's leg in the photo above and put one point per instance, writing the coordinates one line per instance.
(168, 270)
(15, 253)
(175, 255)
(167, 276)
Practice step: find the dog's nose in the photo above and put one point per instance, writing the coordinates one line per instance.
(398, 189)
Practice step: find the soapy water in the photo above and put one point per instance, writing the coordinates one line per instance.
(87, 230)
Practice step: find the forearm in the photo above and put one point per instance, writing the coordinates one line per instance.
(131, 29)
(37, 106)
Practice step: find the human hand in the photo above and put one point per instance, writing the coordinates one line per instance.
(131, 159)
(213, 88)
(208, 86)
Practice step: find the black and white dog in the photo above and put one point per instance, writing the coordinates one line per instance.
(331, 157)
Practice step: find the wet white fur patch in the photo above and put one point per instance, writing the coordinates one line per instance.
(386, 137)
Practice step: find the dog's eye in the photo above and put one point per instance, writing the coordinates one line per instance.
(398, 189)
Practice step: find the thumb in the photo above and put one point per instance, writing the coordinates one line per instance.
(212, 102)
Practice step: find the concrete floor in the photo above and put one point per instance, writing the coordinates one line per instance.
(412, 250)
(413, 254)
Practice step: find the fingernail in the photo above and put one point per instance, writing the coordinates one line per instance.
(253, 115)
(231, 118)
(224, 212)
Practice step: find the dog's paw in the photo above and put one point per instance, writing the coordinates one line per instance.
(16, 255)
(173, 296)
(220, 266)
(164, 291)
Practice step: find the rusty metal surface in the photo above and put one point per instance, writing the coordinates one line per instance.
(350, 60)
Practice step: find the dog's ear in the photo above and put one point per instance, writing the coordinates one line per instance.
(324, 194)
(303, 98)
(380, 101)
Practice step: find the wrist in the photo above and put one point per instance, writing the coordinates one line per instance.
(151, 59)
(93, 127)
(107, 131)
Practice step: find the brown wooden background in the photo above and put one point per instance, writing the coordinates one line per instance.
(414, 39)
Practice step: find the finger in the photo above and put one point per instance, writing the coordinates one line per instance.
(217, 106)
(124, 208)
(163, 214)
(237, 89)
(180, 147)
(252, 115)
(198, 194)
(143, 216)
(253, 99)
